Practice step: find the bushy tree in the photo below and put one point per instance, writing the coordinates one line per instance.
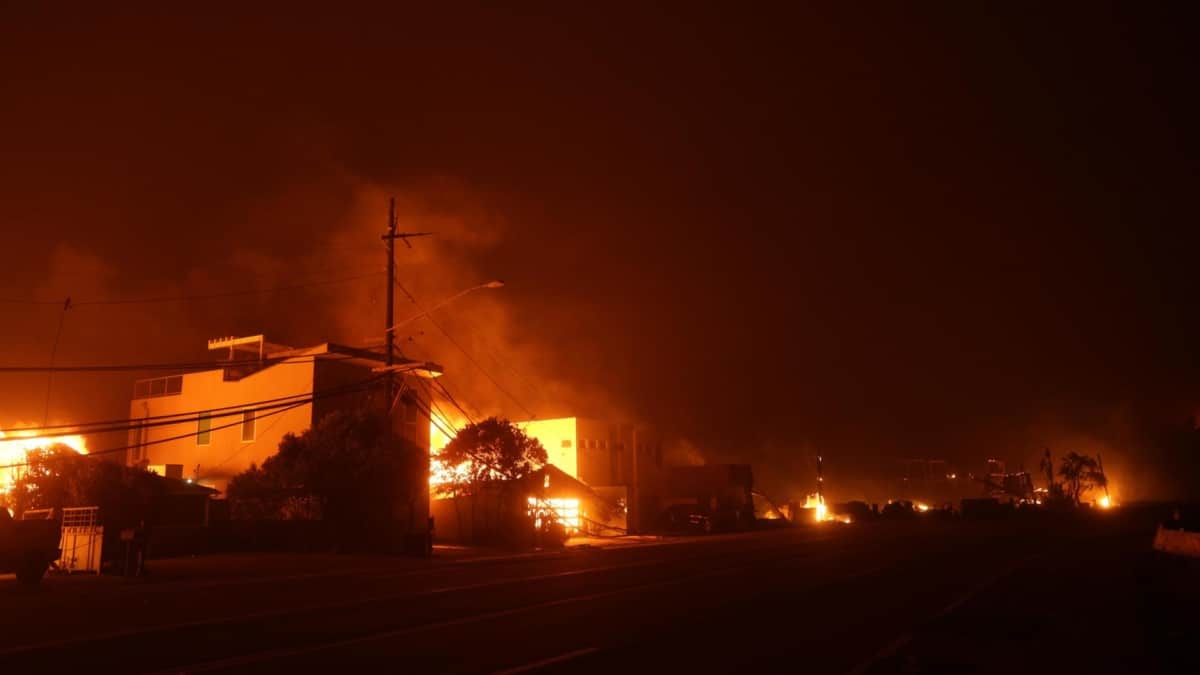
(58, 477)
(350, 463)
(489, 450)
(1080, 474)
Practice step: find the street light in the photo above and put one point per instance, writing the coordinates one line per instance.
(490, 284)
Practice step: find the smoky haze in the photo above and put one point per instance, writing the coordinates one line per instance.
(940, 234)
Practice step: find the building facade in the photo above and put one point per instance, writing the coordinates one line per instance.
(616, 460)
(237, 415)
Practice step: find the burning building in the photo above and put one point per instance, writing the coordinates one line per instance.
(239, 412)
(512, 511)
(612, 460)
(616, 460)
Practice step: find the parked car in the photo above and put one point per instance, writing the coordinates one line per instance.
(27, 547)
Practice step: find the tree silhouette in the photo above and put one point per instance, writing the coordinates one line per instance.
(490, 450)
(351, 463)
(1080, 474)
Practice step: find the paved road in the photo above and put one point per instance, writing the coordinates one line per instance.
(883, 598)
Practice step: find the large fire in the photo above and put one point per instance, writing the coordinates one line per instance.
(439, 474)
(565, 511)
(16, 444)
(821, 514)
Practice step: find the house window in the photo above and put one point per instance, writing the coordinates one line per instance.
(161, 386)
(566, 443)
(247, 425)
(204, 429)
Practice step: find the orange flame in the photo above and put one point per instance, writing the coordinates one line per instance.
(15, 445)
(439, 473)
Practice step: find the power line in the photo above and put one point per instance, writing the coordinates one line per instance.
(251, 444)
(441, 415)
(128, 424)
(185, 366)
(482, 460)
(279, 409)
(494, 352)
(20, 301)
(446, 392)
(465, 352)
(188, 298)
(109, 451)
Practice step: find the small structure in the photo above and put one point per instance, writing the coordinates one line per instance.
(81, 537)
(513, 511)
(617, 461)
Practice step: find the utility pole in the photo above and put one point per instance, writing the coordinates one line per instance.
(635, 510)
(820, 482)
(390, 336)
(389, 321)
(389, 316)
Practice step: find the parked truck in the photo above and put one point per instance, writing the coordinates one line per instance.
(28, 547)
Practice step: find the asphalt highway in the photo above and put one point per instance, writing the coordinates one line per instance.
(878, 598)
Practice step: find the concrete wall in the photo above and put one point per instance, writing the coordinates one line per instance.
(601, 454)
(559, 438)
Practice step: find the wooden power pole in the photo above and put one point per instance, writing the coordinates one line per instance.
(389, 321)
(389, 311)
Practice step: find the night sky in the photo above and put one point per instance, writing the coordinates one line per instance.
(937, 231)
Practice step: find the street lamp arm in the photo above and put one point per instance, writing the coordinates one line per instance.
(443, 303)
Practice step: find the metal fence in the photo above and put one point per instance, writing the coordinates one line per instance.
(82, 540)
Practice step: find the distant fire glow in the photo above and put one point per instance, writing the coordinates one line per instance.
(16, 444)
(1104, 502)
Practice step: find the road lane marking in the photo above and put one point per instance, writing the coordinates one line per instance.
(273, 613)
(286, 652)
(375, 572)
(552, 661)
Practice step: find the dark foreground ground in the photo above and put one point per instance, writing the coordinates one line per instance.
(923, 597)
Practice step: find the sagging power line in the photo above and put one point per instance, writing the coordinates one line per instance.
(130, 424)
(272, 411)
(184, 366)
(194, 297)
